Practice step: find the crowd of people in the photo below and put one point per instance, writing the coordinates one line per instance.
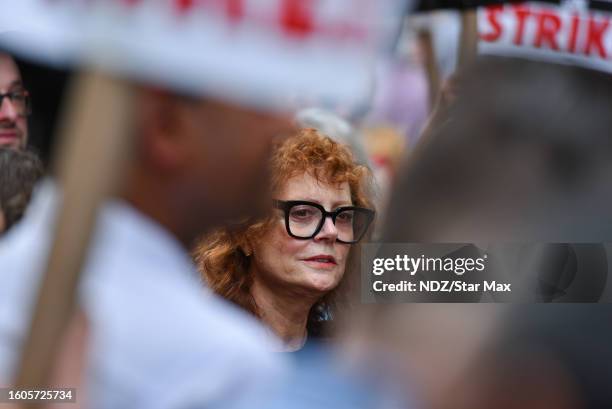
(236, 235)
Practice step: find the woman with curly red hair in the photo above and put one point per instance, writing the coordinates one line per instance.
(290, 267)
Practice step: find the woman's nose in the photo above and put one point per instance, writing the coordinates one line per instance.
(328, 231)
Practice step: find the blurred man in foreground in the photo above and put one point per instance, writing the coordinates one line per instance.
(14, 105)
(522, 155)
(155, 338)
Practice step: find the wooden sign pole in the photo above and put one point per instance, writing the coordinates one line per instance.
(431, 65)
(468, 46)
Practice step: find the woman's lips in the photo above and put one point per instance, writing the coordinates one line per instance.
(321, 261)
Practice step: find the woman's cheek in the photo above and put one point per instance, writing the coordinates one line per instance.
(297, 249)
(345, 251)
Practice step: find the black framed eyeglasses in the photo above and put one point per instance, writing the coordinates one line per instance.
(304, 220)
(20, 100)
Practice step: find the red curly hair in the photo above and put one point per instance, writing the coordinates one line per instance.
(220, 257)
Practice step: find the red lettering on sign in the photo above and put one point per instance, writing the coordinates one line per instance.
(549, 25)
(522, 13)
(595, 37)
(565, 30)
(494, 35)
(571, 47)
(297, 17)
(235, 9)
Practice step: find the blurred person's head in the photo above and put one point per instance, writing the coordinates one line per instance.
(199, 162)
(19, 172)
(523, 153)
(298, 256)
(14, 106)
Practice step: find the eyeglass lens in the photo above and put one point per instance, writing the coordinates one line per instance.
(304, 220)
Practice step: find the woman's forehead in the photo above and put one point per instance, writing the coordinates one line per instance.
(308, 186)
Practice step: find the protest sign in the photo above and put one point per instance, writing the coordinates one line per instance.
(571, 33)
(262, 51)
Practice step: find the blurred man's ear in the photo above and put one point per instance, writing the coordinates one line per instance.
(161, 129)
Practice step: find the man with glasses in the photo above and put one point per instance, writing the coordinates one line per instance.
(14, 105)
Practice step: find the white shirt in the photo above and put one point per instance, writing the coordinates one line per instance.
(158, 339)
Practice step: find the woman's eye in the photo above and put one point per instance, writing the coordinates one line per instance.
(345, 217)
(302, 213)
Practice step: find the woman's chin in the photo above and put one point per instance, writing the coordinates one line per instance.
(322, 283)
